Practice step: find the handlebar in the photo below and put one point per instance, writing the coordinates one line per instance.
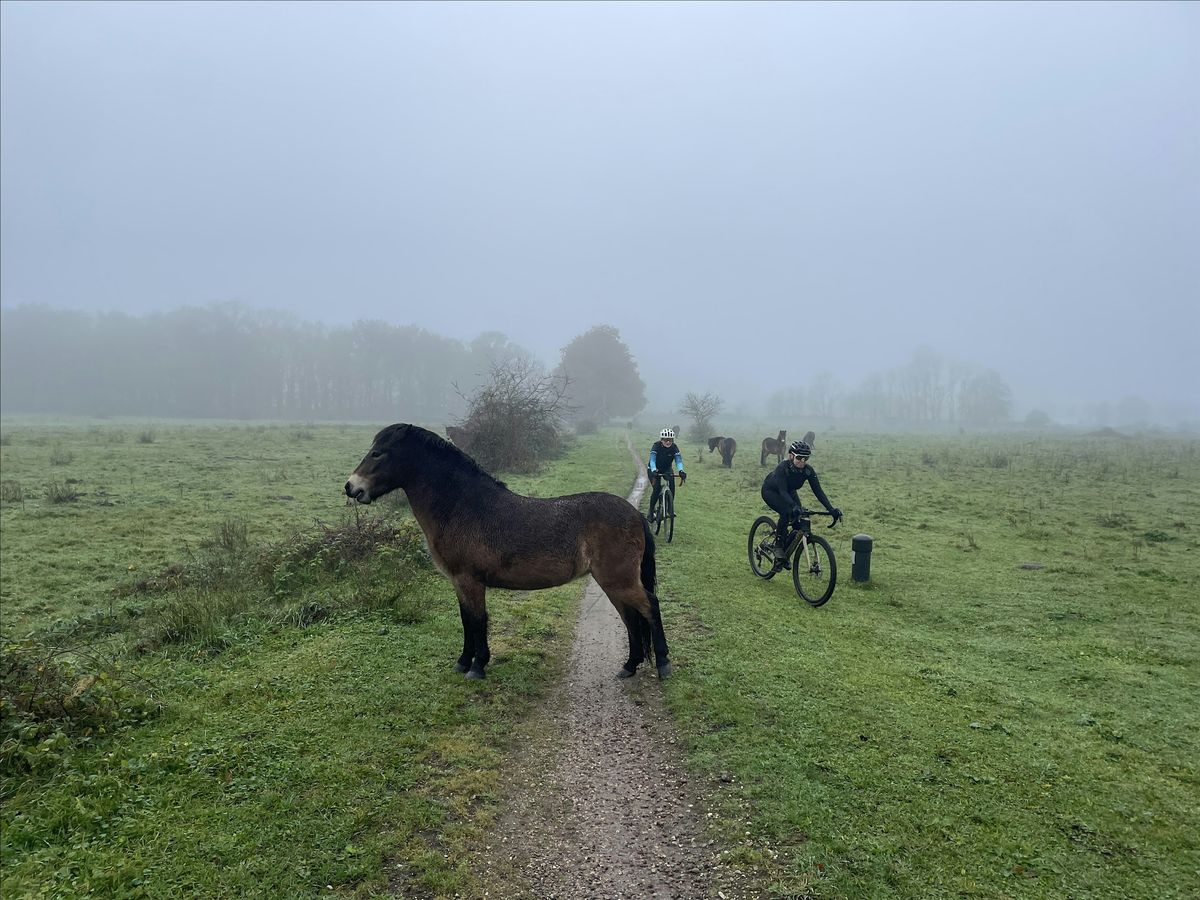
(805, 513)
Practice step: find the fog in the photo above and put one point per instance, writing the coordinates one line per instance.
(752, 194)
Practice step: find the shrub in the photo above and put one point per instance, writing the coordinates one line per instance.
(53, 699)
(515, 421)
(60, 456)
(57, 492)
(146, 437)
(11, 492)
(232, 536)
(356, 565)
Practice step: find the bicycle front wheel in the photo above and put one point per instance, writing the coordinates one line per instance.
(761, 547)
(669, 514)
(814, 571)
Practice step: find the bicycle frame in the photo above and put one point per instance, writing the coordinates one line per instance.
(657, 511)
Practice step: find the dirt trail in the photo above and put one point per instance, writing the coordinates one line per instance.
(599, 804)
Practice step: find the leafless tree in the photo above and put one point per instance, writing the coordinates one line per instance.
(515, 420)
(701, 409)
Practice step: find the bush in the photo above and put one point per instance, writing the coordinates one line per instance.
(11, 492)
(60, 456)
(362, 565)
(232, 536)
(54, 699)
(514, 422)
(61, 493)
(146, 437)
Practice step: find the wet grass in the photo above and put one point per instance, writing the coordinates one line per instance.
(1007, 708)
(310, 738)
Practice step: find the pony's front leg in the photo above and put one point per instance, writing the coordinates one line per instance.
(473, 609)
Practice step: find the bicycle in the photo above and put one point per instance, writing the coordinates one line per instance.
(664, 510)
(808, 555)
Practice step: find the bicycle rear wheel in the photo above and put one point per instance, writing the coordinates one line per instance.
(815, 574)
(761, 547)
(669, 514)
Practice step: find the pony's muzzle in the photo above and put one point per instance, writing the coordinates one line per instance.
(356, 490)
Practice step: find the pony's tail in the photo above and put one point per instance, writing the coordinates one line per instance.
(649, 582)
(649, 570)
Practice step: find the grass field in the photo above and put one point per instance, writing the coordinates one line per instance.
(313, 740)
(960, 726)
(146, 495)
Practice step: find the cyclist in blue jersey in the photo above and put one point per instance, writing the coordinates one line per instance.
(663, 453)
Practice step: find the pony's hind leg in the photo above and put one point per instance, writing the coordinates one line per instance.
(643, 620)
(659, 637)
(635, 628)
(473, 609)
(468, 653)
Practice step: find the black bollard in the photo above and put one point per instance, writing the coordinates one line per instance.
(860, 557)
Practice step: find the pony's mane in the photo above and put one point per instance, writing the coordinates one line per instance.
(441, 449)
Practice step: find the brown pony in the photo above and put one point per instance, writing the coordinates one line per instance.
(773, 447)
(727, 446)
(460, 436)
(480, 535)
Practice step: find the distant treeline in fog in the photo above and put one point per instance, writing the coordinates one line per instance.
(226, 361)
(928, 390)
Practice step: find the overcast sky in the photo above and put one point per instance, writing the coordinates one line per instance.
(768, 190)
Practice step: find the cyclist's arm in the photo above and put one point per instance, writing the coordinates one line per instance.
(678, 459)
(653, 464)
(815, 484)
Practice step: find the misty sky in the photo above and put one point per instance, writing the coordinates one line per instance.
(787, 188)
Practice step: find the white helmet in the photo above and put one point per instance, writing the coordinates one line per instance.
(667, 433)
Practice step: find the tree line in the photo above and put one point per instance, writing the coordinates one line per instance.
(229, 361)
(928, 390)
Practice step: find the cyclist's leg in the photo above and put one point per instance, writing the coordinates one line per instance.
(779, 503)
(656, 485)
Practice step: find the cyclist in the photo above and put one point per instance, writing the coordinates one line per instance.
(780, 486)
(663, 452)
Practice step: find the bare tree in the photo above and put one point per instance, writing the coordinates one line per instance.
(514, 421)
(700, 410)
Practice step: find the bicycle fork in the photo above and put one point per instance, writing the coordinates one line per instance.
(799, 552)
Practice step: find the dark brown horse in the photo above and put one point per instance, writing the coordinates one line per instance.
(773, 447)
(727, 446)
(480, 535)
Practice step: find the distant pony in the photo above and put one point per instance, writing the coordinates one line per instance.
(460, 436)
(727, 446)
(773, 447)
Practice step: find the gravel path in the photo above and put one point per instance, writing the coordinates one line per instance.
(599, 804)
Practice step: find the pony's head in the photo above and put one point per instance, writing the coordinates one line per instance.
(402, 454)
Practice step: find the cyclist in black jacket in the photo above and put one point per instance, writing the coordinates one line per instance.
(780, 486)
(663, 453)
